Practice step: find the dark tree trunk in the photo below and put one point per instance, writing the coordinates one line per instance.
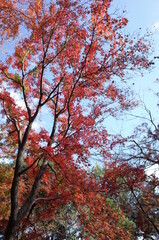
(16, 218)
(10, 232)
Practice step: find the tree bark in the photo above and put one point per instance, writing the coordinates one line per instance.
(10, 230)
(22, 212)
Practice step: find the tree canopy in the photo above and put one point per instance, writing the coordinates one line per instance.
(61, 70)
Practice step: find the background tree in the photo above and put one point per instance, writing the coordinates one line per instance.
(6, 176)
(133, 192)
(141, 151)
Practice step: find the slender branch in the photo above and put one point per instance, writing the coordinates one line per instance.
(23, 90)
(141, 150)
(141, 207)
(26, 169)
(53, 170)
(9, 77)
(58, 53)
(151, 119)
(143, 211)
(14, 121)
(53, 90)
(145, 156)
(55, 119)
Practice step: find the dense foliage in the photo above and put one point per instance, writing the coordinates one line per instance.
(59, 78)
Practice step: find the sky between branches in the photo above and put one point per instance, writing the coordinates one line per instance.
(143, 17)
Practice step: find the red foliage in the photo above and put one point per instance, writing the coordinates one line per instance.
(65, 54)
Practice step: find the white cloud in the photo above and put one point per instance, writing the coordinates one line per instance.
(18, 100)
(153, 170)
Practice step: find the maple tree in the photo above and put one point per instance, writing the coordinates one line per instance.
(60, 65)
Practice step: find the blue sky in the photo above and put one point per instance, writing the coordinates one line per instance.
(142, 14)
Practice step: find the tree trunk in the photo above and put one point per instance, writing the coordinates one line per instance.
(10, 232)
(16, 218)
